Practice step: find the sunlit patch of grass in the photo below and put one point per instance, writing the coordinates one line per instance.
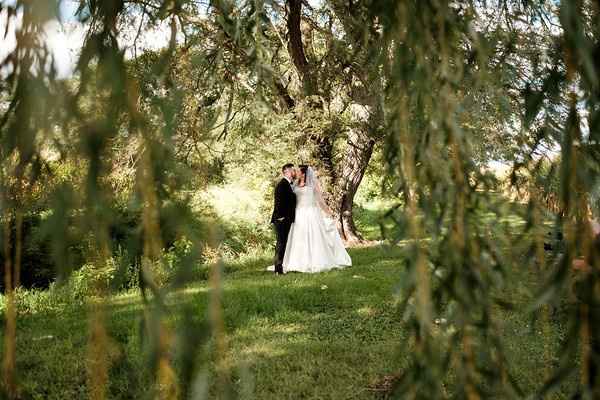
(235, 202)
(262, 349)
(366, 311)
(124, 298)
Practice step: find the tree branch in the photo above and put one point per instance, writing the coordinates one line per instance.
(295, 46)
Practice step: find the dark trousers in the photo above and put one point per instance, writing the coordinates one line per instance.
(282, 229)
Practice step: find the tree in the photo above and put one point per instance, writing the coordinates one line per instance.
(414, 76)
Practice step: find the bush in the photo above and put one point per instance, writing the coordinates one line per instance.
(57, 299)
(37, 262)
(92, 280)
(240, 237)
(177, 261)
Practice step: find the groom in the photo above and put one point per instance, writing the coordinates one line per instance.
(284, 213)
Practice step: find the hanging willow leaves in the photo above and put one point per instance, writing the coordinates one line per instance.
(441, 88)
(85, 124)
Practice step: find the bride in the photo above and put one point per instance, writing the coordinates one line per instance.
(314, 244)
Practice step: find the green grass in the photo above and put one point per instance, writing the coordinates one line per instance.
(328, 335)
(316, 336)
(323, 336)
(332, 335)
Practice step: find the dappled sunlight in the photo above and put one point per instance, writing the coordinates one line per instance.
(125, 299)
(192, 290)
(270, 339)
(236, 203)
(366, 311)
(266, 349)
(260, 327)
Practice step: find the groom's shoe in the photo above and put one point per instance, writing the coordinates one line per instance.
(279, 270)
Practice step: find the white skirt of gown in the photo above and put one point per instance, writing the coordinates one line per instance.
(314, 244)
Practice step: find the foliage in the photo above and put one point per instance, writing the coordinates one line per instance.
(432, 155)
(102, 173)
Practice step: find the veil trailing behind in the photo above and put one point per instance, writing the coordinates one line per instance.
(314, 244)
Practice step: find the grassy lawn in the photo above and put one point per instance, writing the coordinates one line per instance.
(326, 336)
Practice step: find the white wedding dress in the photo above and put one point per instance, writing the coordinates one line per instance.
(314, 244)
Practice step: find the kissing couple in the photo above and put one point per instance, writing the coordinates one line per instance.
(307, 237)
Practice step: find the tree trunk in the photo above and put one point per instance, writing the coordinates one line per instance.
(342, 179)
(296, 47)
(355, 163)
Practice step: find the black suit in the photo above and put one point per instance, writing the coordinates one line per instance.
(284, 213)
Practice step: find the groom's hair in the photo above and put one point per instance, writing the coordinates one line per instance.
(286, 166)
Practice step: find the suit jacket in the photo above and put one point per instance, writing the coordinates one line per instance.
(285, 202)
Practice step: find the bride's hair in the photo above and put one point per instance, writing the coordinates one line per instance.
(303, 169)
